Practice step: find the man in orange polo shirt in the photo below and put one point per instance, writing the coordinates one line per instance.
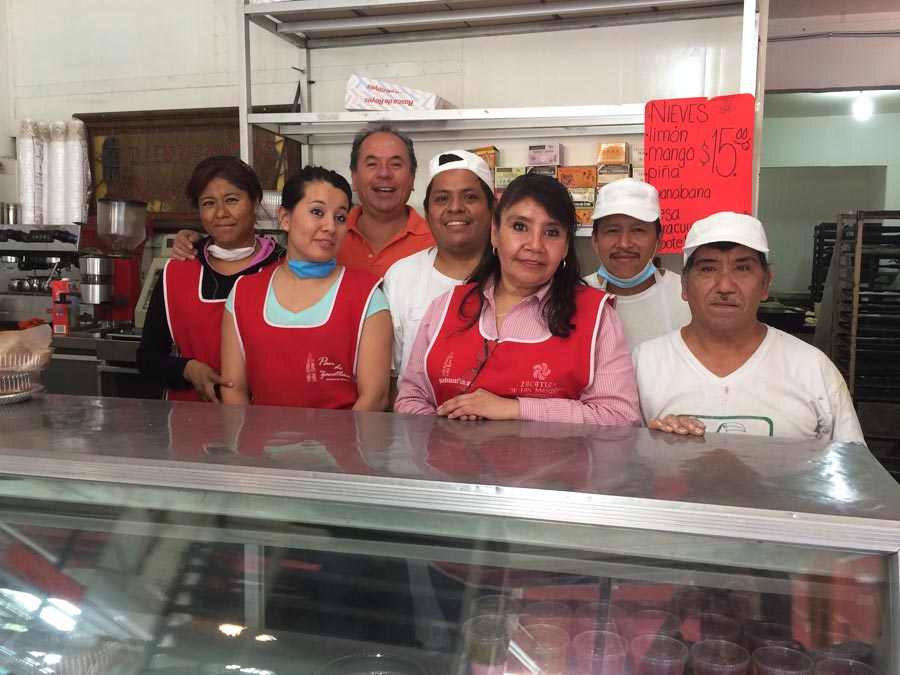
(382, 229)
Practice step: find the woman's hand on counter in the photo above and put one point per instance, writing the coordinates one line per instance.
(204, 379)
(183, 245)
(480, 405)
(678, 424)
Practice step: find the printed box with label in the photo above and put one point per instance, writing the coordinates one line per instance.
(607, 173)
(489, 154)
(584, 197)
(364, 93)
(583, 218)
(612, 153)
(637, 172)
(543, 170)
(547, 153)
(577, 176)
(503, 176)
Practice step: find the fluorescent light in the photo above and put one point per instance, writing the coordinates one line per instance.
(57, 619)
(863, 107)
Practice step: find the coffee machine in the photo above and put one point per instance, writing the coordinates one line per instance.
(111, 280)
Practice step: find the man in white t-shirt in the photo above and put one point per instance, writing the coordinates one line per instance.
(459, 205)
(626, 237)
(727, 372)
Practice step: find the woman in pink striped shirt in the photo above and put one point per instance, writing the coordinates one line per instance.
(525, 338)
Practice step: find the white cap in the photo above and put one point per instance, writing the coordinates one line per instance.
(630, 197)
(727, 226)
(467, 160)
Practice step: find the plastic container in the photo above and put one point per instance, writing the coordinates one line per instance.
(658, 655)
(547, 612)
(496, 604)
(708, 626)
(487, 643)
(781, 661)
(589, 615)
(718, 657)
(844, 667)
(649, 622)
(546, 645)
(764, 634)
(600, 653)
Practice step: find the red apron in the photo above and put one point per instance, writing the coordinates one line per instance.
(300, 366)
(553, 367)
(194, 322)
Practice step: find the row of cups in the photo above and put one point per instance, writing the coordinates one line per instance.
(544, 630)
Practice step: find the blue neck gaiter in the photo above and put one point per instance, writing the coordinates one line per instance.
(648, 272)
(312, 270)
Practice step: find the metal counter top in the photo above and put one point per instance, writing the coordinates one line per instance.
(806, 492)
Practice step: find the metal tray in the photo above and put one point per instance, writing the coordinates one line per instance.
(19, 396)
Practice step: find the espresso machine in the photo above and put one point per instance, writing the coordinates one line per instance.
(110, 266)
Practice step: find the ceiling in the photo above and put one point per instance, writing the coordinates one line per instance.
(798, 9)
(826, 104)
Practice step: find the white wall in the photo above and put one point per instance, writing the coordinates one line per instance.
(793, 200)
(97, 56)
(868, 156)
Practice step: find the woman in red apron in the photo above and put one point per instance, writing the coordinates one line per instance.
(526, 338)
(186, 305)
(309, 333)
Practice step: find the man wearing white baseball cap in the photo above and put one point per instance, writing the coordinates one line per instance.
(626, 237)
(726, 371)
(459, 205)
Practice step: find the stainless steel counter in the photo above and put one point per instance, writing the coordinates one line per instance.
(351, 465)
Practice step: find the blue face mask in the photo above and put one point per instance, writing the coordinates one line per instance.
(640, 278)
(312, 270)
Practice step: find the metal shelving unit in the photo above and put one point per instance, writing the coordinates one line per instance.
(316, 24)
(866, 323)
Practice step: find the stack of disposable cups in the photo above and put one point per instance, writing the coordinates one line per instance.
(44, 130)
(25, 144)
(56, 181)
(74, 172)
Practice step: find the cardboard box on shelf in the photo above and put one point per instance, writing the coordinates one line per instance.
(365, 93)
(607, 173)
(583, 218)
(546, 153)
(637, 172)
(577, 176)
(503, 176)
(612, 153)
(489, 154)
(542, 169)
(583, 197)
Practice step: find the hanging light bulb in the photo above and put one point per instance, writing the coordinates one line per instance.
(863, 107)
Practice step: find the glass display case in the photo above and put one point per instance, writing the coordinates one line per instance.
(152, 537)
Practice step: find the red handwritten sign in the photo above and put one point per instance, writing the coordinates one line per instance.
(698, 152)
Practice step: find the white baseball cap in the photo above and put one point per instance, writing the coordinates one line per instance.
(630, 197)
(460, 159)
(727, 226)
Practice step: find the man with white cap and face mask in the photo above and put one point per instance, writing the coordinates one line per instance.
(459, 205)
(626, 236)
(726, 371)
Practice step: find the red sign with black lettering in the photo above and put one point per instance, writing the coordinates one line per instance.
(698, 152)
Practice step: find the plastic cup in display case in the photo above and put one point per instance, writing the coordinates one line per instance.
(600, 653)
(658, 655)
(546, 645)
(547, 612)
(764, 634)
(596, 616)
(708, 626)
(649, 622)
(835, 646)
(502, 605)
(487, 643)
(844, 667)
(781, 661)
(719, 657)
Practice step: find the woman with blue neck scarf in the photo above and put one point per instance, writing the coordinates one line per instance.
(626, 237)
(309, 333)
